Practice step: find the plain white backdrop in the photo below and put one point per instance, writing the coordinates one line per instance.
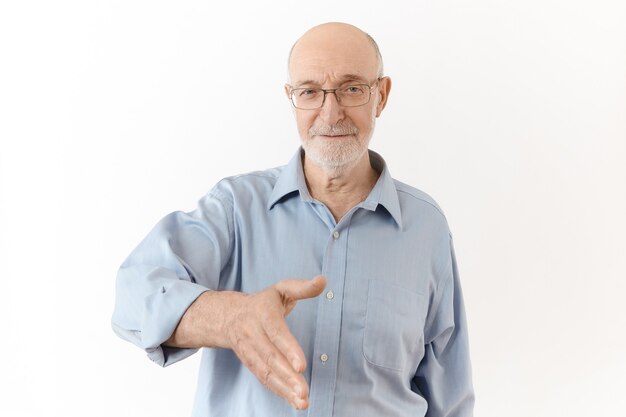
(511, 114)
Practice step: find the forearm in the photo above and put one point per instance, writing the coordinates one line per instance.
(203, 324)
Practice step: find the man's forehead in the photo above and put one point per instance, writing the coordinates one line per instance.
(336, 49)
(331, 66)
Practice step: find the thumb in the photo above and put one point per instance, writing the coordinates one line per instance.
(299, 289)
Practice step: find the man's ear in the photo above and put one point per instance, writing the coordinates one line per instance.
(287, 88)
(383, 89)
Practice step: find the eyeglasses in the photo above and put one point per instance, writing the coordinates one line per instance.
(349, 96)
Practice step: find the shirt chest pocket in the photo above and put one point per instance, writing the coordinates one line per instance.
(394, 323)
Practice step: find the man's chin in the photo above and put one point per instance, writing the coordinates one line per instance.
(333, 159)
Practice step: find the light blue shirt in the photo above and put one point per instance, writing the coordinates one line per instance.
(387, 337)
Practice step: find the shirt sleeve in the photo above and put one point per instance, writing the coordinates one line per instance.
(444, 377)
(181, 257)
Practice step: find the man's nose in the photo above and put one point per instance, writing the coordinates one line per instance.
(331, 111)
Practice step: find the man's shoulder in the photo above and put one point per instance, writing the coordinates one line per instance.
(417, 202)
(416, 195)
(266, 175)
(249, 183)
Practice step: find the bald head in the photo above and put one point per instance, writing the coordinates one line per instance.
(335, 41)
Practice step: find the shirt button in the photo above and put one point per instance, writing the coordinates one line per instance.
(335, 235)
(324, 357)
(330, 295)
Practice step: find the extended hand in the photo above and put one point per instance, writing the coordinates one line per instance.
(257, 332)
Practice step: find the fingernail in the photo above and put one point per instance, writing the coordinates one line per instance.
(297, 391)
(299, 403)
(296, 364)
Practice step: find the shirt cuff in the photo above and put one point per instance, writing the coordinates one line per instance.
(163, 311)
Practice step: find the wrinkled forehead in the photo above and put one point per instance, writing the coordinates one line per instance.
(329, 59)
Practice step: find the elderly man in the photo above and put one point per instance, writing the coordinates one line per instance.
(322, 285)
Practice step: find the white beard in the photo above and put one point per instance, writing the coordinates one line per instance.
(339, 155)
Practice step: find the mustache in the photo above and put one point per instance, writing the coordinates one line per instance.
(338, 129)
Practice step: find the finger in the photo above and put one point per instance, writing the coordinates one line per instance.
(272, 370)
(300, 289)
(278, 386)
(280, 336)
(270, 355)
(266, 376)
(294, 386)
(260, 352)
(281, 369)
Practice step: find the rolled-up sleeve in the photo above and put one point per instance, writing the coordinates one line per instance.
(181, 257)
(444, 377)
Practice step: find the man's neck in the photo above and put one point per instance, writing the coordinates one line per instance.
(340, 190)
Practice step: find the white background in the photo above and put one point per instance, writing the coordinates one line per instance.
(511, 114)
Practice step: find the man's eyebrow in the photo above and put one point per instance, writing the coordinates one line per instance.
(352, 77)
(342, 79)
(305, 82)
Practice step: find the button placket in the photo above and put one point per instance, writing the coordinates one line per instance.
(328, 325)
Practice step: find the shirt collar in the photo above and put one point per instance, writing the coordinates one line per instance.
(384, 191)
(291, 179)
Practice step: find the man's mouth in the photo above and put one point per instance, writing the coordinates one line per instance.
(334, 136)
(335, 132)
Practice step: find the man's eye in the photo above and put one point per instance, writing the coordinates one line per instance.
(308, 92)
(354, 89)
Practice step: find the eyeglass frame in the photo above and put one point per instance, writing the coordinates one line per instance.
(333, 90)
